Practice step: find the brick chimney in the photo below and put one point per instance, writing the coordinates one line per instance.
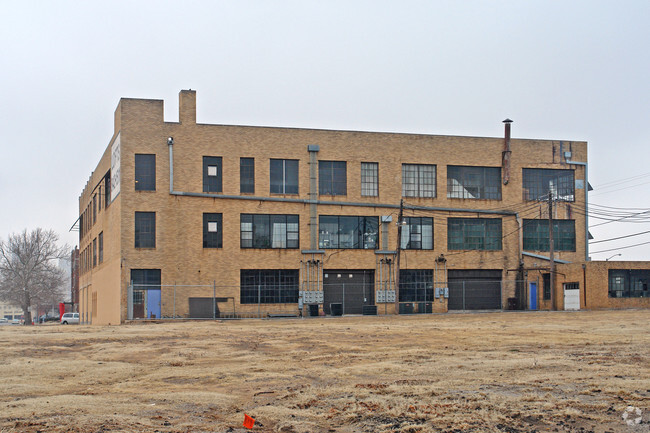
(187, 106)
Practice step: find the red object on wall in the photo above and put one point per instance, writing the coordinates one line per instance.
(61, 309)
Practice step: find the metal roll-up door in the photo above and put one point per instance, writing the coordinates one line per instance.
(474, 289)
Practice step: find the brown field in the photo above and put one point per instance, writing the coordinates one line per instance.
(492, 372)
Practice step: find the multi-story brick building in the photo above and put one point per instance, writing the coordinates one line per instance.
(215, 219)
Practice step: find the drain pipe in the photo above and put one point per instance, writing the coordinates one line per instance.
(170, 143)
(586, 186)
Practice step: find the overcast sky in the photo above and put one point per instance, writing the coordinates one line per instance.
(564, 70)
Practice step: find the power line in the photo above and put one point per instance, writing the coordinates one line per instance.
(620, 237)
(620, 248)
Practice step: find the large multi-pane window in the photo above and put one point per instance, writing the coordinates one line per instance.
(107, 188)
(270, 231)
(101, 247)
(357, 232)
(284, 176)
(332, 178)
(474, 234)
(212, 237)
(269, 286)
(474, 182)
(417, 233)
(369, 179)
(546, 283)
(416, 285)
(247, 175)
(418, 180)
(212, 176)
(536, 236)
(629, 283)
(145, 172)
(94, 252)
(538, 182)
(145, 229)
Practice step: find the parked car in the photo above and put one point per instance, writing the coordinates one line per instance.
(70, 319)
(16, 322)
(4, 321)
(48, 318)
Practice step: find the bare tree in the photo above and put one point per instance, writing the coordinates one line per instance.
(29, 269)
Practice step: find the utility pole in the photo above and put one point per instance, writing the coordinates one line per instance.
(551, 250)
(399, 248)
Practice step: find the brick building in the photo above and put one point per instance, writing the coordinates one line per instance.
(181, 219)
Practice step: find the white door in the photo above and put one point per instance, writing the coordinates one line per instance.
(571, 296)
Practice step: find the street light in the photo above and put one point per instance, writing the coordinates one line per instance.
(607, 259)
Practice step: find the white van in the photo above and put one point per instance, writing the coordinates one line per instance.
(70, 319)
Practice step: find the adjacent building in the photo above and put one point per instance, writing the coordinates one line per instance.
(188, 220)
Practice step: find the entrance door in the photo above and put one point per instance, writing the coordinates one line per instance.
(571, 296)
(351, 288)
(532, 296)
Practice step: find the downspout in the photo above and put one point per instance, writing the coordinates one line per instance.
(313, 195)
(586, 186)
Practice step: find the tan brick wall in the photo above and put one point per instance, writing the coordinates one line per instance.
(179, 253)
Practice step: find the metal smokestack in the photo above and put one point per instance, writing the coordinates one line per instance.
(505, 155)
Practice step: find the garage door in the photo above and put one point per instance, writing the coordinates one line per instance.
(352, 288)
(477, 289)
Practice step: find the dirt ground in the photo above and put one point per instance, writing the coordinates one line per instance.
(489, 372)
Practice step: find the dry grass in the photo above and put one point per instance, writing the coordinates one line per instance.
(508, 372)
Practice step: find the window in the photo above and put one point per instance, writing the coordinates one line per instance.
(246, 175)
(284, 176)
(474, 182)
(143, 280)
(416, 285)
(212, 230)
(474, 234)
(101, 247)
(536, 235)
(571, 286)
(629, 283)
(369, 179)
(94, 252)
(356, 232)
(546, 281)
(107, 189)
(269, 286)
(94, 209)
(99, 202)
(145, 172)
(145, 230)
(211, 174)
(418, 180)
(537, 182)
(332, 178)
(269, 231)
(417, 234)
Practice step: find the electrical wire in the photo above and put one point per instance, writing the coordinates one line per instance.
(620, 237)
(619, 248)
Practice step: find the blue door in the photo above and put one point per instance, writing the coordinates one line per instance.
(532, 293)
(153, 304)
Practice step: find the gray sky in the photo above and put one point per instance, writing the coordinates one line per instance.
(574, 70)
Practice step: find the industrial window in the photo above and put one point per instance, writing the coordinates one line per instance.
(629, 283)
(571, 286)
(212, 230)
(369, 179)
(356, 232)
(269, 286)
(145, 172)
(332, 178)
(142, 280)
(270, 231)
(416, 285)
(211, 174)
(94, 252)
(536, 235)
(538, 182)
(417, 233)
(246, 175)
(107, 189)
(284, 176)
(99, 202)
(94, 209)
(101, 247)
(546, 281)
(474, 182)
(418, 180)
(474, 234)
(145, 230)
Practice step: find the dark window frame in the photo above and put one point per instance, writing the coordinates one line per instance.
(145, 229)
(247, 175)
(628, 283)
(536, 184)
(101, 246)
(413, 233)
(94, 252)
(145, 172)
(481, 234)
(364, 235)
(535, 235)
(212, 183)
(212, 239)
(546, 284)
(416, 285)
(269, 286)
(332, 178)
(257, 231)
(284, 176)
(473, 182)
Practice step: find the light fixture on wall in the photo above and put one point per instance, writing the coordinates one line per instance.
(170, 140)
